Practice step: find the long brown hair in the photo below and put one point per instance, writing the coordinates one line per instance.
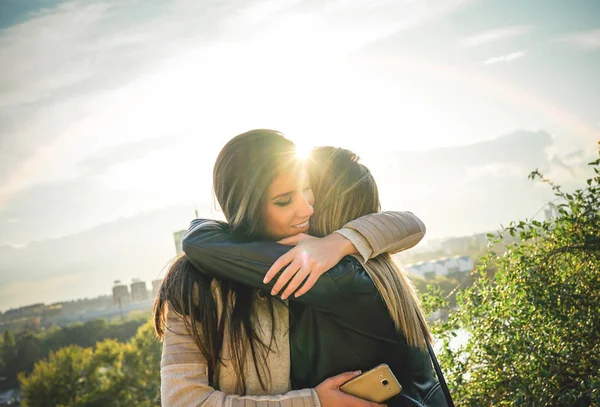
(243, 172)
(345, 190)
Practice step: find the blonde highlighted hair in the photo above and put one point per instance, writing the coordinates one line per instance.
(345, 190)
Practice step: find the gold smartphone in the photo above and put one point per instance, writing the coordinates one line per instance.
(376, 385)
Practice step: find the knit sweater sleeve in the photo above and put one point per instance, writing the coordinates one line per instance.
(384, 232)
(184, 377)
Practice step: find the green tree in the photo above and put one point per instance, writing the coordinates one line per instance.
(141, 366)
(28, 352)
(66, 375)
(534, 324)
(8, 350)
(113, 374)
(8, 359)
(131, 374)
(110, 389)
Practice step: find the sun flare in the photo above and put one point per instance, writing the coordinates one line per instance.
(303, 146)
(303, 151)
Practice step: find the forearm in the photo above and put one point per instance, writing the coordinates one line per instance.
(304, 397)
(180, 387)
(222, 254)
(184, 379)
(343, 245)
(384, 232)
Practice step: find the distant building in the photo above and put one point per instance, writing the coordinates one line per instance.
(121, 294)
(178, 236)
(551, 212)
(449, 266)
(454, 245)
(156, 287)
(138, 290)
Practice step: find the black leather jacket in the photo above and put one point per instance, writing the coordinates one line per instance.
(340, 325)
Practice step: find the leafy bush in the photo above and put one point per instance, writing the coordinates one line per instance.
(534, 325)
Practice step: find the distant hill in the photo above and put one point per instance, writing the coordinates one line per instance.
(85, 264)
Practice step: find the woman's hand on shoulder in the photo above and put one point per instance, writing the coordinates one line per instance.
(307, 261)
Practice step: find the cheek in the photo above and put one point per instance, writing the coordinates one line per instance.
(278, 217)
(310, 198)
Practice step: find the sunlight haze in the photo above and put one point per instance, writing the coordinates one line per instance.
(113, 112)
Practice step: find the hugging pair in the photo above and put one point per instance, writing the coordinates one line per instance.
(345, 306)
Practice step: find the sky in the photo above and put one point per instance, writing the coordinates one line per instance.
(112, 110)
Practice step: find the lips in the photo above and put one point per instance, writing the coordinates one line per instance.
(301, 225)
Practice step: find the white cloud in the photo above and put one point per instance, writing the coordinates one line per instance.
(495, 35)
(493, 170)
(505, 58)
(588, 40)
(85, 75)
(88, 42)
(334, 27)
(79, 48)
(571, 169)
(47, 52)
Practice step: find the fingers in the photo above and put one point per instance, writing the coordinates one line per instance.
(308, 284)
(352, 401)
(296, 281)
(278, 265)
(287, 274)
(337, 381)
(358, 402)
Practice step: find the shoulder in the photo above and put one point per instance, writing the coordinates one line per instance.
(207, 224)
(349, 275)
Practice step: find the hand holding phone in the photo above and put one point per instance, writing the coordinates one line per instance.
(330, 395)
(378, 385)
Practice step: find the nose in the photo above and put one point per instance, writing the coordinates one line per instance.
(305, 209)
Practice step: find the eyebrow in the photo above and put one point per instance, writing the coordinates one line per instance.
(288, 193)
(282, 195)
